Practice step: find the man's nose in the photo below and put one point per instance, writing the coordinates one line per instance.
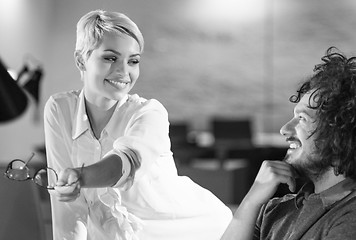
(288, 128)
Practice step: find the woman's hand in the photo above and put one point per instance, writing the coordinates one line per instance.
(270, 175)
(67, 188)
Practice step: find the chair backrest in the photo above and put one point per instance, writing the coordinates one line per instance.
(20, 208)
(178, 133)
(235, 132)
(230, 186)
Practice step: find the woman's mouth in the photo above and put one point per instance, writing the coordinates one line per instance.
(117, 84)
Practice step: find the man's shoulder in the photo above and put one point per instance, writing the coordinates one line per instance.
(349, 200)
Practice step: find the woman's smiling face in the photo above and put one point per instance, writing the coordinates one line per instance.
(112, 69)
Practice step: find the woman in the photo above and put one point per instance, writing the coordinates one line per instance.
(117, 175)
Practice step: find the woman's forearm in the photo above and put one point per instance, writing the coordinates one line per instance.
(104, 173)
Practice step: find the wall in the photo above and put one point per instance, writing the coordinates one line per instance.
(202, 57)
(24, 27)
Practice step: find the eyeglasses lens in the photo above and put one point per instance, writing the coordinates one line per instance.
(18, 171)
(43, 176)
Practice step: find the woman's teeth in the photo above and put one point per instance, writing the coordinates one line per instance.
(119, 84)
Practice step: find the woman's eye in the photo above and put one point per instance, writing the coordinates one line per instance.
(134, 61)
(111, 59)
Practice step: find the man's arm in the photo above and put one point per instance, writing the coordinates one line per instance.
(270, 175)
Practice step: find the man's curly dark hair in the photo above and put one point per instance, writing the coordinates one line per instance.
(333, 88)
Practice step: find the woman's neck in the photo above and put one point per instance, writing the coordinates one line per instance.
(98, 117)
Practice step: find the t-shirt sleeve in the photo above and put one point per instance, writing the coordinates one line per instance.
(257, 231)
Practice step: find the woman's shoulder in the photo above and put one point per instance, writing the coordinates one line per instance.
(62, 100)
(143, 104)
(65, 96)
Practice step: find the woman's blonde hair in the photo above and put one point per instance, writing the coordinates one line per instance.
(93, 25)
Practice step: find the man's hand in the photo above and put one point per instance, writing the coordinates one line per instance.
(270, 175)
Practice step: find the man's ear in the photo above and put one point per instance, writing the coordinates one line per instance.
(79, 61)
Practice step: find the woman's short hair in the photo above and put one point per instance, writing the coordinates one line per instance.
(93, 25)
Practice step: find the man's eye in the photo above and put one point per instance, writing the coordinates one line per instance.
(301, 118)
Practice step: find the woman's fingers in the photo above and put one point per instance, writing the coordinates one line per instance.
(67, 193)
(67, 177)
(67, 187)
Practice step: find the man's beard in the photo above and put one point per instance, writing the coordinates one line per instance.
(312, 167)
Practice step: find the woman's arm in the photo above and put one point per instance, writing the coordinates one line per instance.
(105, 173)
(146, 138)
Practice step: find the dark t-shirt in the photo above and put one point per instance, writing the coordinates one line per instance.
(330, 214)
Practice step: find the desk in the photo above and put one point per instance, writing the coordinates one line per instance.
(233, 183)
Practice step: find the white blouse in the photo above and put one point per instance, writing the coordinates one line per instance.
(150, 201)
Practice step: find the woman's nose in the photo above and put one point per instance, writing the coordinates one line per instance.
(121, 68)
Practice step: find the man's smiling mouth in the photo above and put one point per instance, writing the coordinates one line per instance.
(294, 143)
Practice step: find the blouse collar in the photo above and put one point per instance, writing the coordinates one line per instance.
(81, 119)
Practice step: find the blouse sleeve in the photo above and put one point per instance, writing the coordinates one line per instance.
(146, 138)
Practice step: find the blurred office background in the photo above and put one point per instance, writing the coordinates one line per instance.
(212, 63)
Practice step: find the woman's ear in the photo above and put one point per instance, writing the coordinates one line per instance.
(79, 61)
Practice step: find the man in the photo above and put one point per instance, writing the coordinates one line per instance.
(322, 151)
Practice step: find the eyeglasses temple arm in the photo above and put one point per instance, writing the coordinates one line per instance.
(30, 158)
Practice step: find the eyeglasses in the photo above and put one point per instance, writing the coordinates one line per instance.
(18, 170)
